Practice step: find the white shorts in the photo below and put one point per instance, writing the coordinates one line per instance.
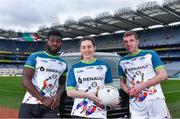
(150, 109)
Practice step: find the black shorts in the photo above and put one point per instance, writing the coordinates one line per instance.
(37, 111)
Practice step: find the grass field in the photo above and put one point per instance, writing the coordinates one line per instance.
(12, 92)
(171, 90)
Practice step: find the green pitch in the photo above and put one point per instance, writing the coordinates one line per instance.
(12, 92)
(171, 89)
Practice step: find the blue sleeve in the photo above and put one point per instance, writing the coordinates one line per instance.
(156, 61)
(71, 81)
(31, 61)
(120, 70)
(108, 78)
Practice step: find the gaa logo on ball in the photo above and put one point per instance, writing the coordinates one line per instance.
(109, 95)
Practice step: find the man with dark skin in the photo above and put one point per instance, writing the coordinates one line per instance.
(44, 79)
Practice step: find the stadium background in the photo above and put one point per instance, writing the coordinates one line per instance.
(158, 28)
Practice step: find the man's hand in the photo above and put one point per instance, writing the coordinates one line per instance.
(135, 90)
(56, 101)
(47, 101)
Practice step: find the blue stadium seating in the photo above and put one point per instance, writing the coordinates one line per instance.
(148, 38)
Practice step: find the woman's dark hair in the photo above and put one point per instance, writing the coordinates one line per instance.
(88, 38)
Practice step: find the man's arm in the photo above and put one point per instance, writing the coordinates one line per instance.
(62, 83)
(28, 74)
(161, 75)
(123, 85)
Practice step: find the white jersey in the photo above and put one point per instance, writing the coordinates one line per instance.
(140, 68)
(48, 69)
(88, 77)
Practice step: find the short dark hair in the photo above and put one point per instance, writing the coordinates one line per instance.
(88, 38)
(130, 33)
(54, 32)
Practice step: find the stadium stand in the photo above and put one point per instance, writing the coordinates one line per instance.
(20, 46)
(173, 69)
(167, 46)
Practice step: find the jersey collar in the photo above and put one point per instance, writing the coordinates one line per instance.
(54, 56)
(89, 62)
(135, 53)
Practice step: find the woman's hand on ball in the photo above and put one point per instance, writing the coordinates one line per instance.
(95, 99)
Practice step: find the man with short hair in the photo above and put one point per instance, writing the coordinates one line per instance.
(141, 72)
(44, 79)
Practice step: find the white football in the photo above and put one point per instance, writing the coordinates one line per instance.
(109, 95)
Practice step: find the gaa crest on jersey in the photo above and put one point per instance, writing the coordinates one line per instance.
(94, 84)
(54, 76)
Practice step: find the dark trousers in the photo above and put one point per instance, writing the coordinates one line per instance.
(37, 111)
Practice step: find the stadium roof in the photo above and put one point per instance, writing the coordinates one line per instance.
(146, 15)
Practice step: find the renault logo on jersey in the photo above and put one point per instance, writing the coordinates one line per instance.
(53, 70)
(92, 78)
(41, 68)
(138, 68)
(79, 80)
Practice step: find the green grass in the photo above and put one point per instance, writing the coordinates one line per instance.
(171, 90)
(12, 93)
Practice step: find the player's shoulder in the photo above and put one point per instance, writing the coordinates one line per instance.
(62, 60)
(76, 64)
(101, 61)
(35, 54)
(124, 58)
